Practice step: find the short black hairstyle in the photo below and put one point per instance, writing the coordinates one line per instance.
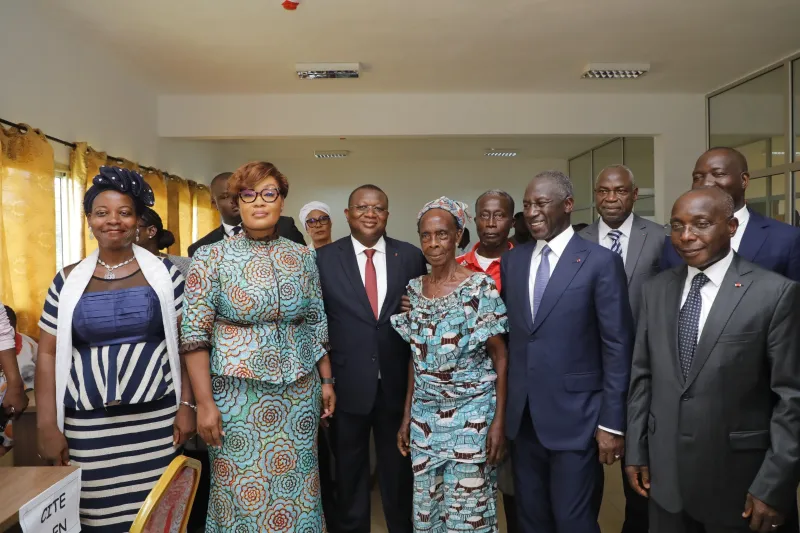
(367, 187)
(733, 152)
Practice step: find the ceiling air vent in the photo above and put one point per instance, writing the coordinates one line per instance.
(327, 71)
(498, 152)
(615, 71)
(331, 154)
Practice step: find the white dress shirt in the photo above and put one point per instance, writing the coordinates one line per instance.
(743, 216)
(557, 246)
(379, 260)
(229, 229)
(626, 228)
(708, 293)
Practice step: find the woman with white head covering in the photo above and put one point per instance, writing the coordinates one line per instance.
(316, 219)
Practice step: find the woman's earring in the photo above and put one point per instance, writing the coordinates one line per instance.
(137, 234)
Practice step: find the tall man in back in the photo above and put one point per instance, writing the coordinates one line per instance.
(769, 243)
(714, 405)
(494, 218)
(570, 343)
(364, 277)
(639, 243)
(232, 221)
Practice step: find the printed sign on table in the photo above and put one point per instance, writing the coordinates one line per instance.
(56, 509)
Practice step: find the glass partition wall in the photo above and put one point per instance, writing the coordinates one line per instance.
(760, 116)
(634, 152)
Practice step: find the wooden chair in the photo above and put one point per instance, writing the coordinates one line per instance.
(167, 507)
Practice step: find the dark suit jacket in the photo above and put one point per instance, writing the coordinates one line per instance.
(769, 243)
(360, 344)
(643, 258)
(731, 427)
(286, 229)
(572, 365)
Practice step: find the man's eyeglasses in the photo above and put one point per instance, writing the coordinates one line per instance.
(361, 210)
(318, 222)
(249, 196)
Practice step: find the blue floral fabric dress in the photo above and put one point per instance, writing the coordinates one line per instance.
(258, 307)
(453, 404)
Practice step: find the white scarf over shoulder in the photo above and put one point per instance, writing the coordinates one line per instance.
(156, 274)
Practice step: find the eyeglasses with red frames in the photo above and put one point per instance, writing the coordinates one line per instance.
(269, 195)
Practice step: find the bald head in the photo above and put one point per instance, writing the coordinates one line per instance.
(725, 168)
(615, 193)
(702, 225)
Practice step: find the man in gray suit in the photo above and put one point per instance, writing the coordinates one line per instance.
(639, 242)
(714, 402)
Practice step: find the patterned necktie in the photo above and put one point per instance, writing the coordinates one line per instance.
(540, 282)
(615, 235)
(236, 230)
(371, 282)
(689, 323)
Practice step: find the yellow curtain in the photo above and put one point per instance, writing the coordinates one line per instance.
(206, 216)
(156, 180)
(84, 164)
(179, 200)
(28, 263)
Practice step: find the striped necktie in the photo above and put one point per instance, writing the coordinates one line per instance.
(615, 235)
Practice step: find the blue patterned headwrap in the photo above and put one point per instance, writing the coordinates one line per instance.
(122, 180)
(459, 210)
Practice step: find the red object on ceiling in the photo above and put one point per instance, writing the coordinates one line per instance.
(289, 5)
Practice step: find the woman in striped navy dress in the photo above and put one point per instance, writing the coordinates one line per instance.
(109, 376)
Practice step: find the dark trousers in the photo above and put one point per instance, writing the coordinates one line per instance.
(326, 481)
(662, 521)
(510, 507)
(197, 518)
(635, 507)
(353, 475)
(555, 491)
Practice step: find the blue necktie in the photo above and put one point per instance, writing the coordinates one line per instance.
(540, 282)
(689, 323)
(615, 235)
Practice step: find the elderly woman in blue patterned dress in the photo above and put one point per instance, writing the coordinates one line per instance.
(455, 406)
(255, 341)
(108, 375)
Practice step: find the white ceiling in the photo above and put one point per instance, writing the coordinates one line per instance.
(414, 148)
(251, 46)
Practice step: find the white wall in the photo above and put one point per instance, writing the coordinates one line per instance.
(677, 121)
(409, 184)
(61, 83)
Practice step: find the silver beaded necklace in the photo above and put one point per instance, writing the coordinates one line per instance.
(110, 269)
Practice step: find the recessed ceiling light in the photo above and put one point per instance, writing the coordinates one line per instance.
(615, 71)
(498, 152)
(322, 71)
(331, 154)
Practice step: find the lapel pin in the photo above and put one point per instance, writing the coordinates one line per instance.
(395, 254)
(737, 285)
(578, 260)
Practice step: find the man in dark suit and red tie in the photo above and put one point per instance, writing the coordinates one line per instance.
(714, 404)
(570, 343)
(364, 277)
(769, 243)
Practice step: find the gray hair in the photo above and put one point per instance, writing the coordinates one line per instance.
(495, 192)
(560, 179)
(618, 166)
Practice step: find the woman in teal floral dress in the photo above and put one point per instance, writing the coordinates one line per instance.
(455, 406)
(254, 338)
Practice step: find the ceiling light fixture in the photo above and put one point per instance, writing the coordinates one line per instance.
(322, 71)
(615, 71)
(497, 152)
(331, 154)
